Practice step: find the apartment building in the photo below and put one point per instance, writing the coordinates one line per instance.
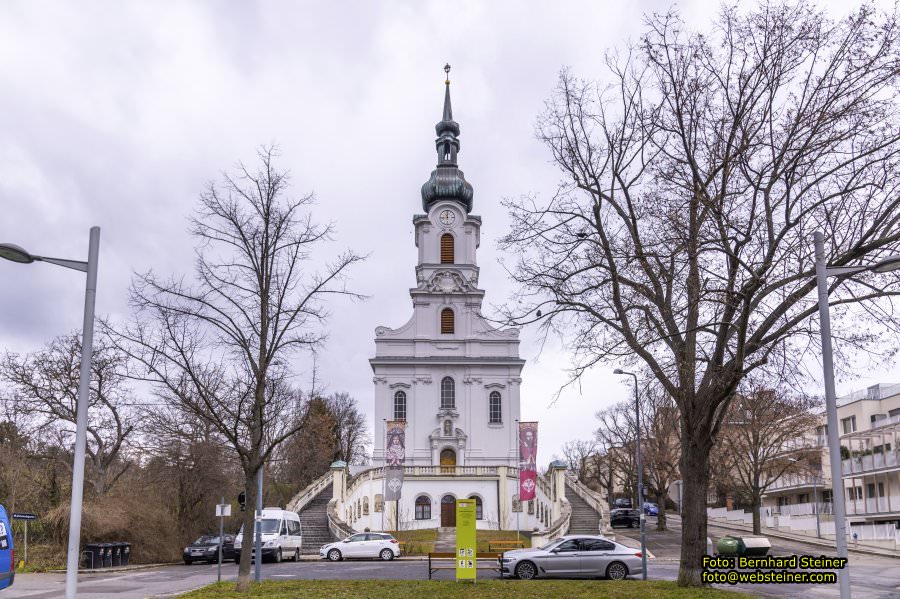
(869, 423)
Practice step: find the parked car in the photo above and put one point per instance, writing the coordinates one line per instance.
(206, 548)
(573, 556)
(7, 552)
(651, 509)
(362, 545)
(282, 536)
(622, 502)
(624, 517)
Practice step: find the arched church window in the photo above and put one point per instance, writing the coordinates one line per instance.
(423, 508)
(400, 405)
(495, 412)
(448, 394)
(447, 322)
(479, 510)
(447, 250)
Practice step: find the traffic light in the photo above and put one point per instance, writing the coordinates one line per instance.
(242, 499)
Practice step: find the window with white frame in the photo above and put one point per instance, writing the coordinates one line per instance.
(495, 408)
(448, 393)
(423, 508)
(400, 405)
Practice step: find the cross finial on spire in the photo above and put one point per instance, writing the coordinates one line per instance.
(447, 70)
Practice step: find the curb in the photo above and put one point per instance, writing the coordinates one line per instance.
(118, 569)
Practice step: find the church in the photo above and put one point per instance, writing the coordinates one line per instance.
(446, 390)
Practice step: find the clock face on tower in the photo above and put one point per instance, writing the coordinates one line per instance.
(447, 217)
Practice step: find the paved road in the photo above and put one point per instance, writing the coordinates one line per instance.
(871, 576)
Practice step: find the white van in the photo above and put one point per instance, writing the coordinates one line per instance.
(282, 536)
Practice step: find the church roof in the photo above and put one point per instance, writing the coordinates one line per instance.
(447, 182)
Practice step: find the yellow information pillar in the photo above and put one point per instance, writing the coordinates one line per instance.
(465, 540)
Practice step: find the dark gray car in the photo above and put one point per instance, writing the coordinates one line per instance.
(575, 556)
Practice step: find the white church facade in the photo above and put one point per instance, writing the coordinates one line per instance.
(453, 379)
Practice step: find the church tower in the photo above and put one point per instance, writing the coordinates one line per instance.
(447, 372)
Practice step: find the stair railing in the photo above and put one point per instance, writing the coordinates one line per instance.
(307, 495)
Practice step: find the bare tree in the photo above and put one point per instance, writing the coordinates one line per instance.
(617, 433)
(47, 385)
(680, 237)
(758, 441)
(660, 445)
(220, 348)
(578, 454)
(351, 431)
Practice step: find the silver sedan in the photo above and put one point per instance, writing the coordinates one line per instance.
(573, 556)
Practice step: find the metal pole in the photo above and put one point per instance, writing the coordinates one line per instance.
(84, 381)
(257, 572)
(816, 508)
(640, 473)
(221, 538)
(25, 561)
(383, 476)
(834, 446)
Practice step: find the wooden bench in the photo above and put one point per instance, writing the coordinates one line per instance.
(505, 545)
(484, 561)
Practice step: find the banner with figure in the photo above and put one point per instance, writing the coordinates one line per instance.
(527, 460)
(394, 458)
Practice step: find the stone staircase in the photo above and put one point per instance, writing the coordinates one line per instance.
(584, 520)
(314, 520)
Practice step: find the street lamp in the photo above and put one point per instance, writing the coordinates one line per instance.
(15, 253)
(834, 448)
(640, 473)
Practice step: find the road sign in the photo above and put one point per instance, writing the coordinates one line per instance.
(23, 516)
(223, 509)
(465, 539)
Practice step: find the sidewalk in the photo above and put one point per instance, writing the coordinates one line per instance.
(788, 536)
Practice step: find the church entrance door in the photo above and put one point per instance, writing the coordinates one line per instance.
(448, 461)
(448, 511)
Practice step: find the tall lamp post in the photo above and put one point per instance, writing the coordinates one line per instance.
(640, 470)
(823, 271)
(17, 254)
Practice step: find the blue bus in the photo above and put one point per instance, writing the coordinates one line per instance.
(7, 554)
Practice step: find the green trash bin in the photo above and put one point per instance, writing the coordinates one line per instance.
(728, 545)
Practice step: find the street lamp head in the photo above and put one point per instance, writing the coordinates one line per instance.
(618, 371)
(15, 253)
(888, 264)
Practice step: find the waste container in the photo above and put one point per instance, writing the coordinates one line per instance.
(116, 554)
(106, 554)
(126, 553)
(756, 545)
(731, 546)
(93, 555)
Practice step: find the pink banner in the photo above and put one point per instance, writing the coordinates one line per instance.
(527, 460)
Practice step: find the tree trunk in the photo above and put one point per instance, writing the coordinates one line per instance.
(243, 583)
(695, 473)
(755, 502)
(661, 519)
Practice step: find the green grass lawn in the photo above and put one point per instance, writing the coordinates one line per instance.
(496, 589)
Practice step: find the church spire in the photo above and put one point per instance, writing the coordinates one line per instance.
(447, 181)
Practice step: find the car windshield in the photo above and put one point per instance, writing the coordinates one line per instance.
(269, 526)
(207, 540)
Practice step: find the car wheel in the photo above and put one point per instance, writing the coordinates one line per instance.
(334, 555)
(386, 554)
(616, 571)
(277, 557)
(526, 571)
(188, 562)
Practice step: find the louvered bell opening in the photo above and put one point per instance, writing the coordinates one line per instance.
(447, 321)
(447, 249)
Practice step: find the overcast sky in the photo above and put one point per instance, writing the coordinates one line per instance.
(117, 113)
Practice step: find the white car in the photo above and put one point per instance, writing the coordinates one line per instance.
(282, 536)
(365, 544)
